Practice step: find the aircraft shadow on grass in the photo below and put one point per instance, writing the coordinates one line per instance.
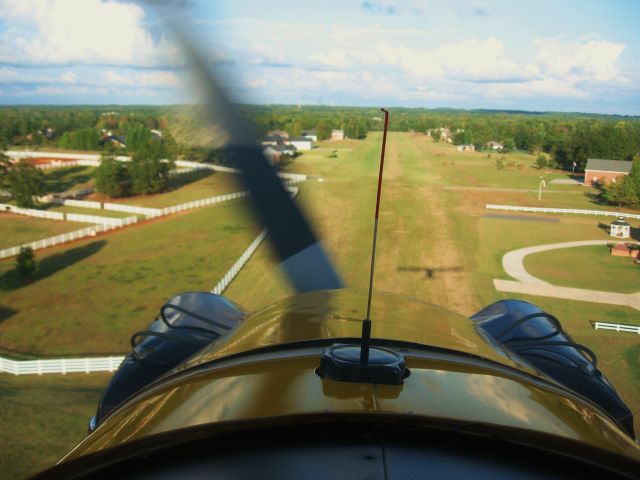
(6, 312)
(430, 272)
(12, 280)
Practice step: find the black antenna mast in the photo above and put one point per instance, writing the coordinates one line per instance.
(363, 363)
(366, 325)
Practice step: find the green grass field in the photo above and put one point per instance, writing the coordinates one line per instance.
(89, 296)
(61, 179)
(182, 188)
(435, 243)
(19, 229)
(593, 268)
(44, 417)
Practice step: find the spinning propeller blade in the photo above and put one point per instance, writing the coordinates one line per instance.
(302, 258)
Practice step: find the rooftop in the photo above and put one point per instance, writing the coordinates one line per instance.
(618, 166)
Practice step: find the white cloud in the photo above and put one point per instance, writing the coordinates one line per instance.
(266, 55)
(155, 79)
(334, 58)
(584, 59)
(58, 32)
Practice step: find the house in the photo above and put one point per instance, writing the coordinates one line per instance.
(337, 134)
(301, 143)
(279, 133)
(310, 134)
(605, 171)
(445, 134)
(466, 148)
(620, 228)
(273, 140)
(493, 145)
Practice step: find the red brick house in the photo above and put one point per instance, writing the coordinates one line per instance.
(605, 171)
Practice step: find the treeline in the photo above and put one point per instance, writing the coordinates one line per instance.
(565, 137)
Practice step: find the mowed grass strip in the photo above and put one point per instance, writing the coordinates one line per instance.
(43, 418)
(183, 188)
(434, 244)
(90, 296)
(592, 268)
(18, 229)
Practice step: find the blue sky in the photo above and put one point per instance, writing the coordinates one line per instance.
(543, 55)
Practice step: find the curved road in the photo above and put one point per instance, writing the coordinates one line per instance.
(513, 264)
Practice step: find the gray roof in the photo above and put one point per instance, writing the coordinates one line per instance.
(621, 222)
(618, 166)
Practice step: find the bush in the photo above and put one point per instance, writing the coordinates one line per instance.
(26, 264)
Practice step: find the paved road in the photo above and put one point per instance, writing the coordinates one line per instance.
(513, 264)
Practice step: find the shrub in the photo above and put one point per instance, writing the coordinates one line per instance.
(26, 264)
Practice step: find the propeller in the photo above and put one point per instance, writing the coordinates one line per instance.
(301, 256)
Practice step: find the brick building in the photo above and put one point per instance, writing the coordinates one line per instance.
(605, 171)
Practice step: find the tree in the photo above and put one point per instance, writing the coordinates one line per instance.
(149, 172)
(112, 177)
(620, 193)
(468, 137)
(436, 134)
(5, 165)
(541, 161)
(26, 264)
(25, 182)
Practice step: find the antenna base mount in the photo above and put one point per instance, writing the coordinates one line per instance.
(341, 362)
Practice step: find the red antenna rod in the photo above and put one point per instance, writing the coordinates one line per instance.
(366, 325)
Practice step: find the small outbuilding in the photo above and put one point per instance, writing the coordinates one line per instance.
(620, 228)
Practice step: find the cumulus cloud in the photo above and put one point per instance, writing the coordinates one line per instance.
(60, 32)
(333, 58)
(471, 60)
(157, 79)
(584, 59)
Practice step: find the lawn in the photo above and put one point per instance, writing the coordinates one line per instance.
(19, 229)
(44, 417)
(89, 296)
(62, 179)
(182, 188)
(593, 268)
(434, 243)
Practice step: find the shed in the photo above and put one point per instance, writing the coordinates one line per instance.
(620, 228)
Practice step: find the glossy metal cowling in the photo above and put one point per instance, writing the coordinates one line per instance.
(538, 339)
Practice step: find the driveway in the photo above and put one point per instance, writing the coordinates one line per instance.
(513, 264)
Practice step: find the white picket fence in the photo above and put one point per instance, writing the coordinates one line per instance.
(244, 258)
(77, 203)
(203, 202)
(68, 163)
(607, 213)
(110, 364)
(237, 266)
(617, 327)
(120, 207)
(32, 212)
(66, 237)
(115, 222)
(60, 365)
(89, 159)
